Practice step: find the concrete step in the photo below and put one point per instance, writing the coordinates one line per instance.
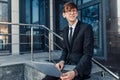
(42, 56)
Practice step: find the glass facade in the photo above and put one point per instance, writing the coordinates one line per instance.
(4, 32)
(90, 12)
(27, 12)
(42, 12)
(63, 22)
(37, 13)
(91, 15)
(85, 1)
(103, 15)
(3, 12)
(3, 0)
(34, 13)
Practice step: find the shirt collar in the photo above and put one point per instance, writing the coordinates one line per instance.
(73, 26)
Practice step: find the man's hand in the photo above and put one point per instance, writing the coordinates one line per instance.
(60, 65)
(68, 75)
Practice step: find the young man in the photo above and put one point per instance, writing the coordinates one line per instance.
(78, 46)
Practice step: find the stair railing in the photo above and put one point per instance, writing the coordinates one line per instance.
(50, 31)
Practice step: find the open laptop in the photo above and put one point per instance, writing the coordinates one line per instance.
(49, 68)
(46, 68)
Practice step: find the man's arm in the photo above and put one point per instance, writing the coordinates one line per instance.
(64, 47)
(88, 46)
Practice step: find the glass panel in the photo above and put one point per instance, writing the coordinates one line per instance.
(25, 45)
(3, 12)
(3, 0)
(35, 14)
(91, 16)
(3, 28)
(3, 37)
(42, 12)
(28, 12)
(85, 1)
(63, 22)
(36, 6)
(35, 11)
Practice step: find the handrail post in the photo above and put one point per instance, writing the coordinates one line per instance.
(32, 58)
(49, 43)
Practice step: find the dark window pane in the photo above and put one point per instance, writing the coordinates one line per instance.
(63, 22)
(85, 1)
(3, 0)
(3, 12)
(91, 16)
(42, 12)
(28, 11)
(35, 11)
(4, 44)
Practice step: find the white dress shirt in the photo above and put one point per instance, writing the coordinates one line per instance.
(73, 28)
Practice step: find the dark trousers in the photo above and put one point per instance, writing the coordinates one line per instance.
(50, 78)
(56, 78)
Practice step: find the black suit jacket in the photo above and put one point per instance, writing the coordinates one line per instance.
(81, 50)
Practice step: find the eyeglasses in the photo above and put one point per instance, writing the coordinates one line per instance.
(71, 12)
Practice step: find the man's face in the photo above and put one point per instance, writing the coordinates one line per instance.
(71, 15)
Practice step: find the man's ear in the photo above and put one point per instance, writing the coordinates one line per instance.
(63, 15)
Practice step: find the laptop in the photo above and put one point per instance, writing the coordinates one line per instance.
(46, 68)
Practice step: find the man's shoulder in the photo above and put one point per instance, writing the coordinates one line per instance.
(84, 25)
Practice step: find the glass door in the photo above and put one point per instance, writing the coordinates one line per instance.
(34, 12)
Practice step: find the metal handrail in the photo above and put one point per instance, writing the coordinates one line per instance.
(37, 25)
(50, 31)
(105, 68)
(7, 23)
(55, 43)
(100, 65)
(95, 61)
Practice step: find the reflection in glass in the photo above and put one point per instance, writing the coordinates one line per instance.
(35, 11)
(35, 14)
(3, 0)
(3, 12)
(3, 37)
(27, 12)
(63, 22)
(91, 15)
(3, 28)
(85, 1)
(42, 12)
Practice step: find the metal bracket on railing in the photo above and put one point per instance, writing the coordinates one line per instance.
(103, 74)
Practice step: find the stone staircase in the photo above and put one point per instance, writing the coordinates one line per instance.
(30, 73)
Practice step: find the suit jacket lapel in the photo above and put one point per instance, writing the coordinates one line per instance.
(66, 38)
(77, 29)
